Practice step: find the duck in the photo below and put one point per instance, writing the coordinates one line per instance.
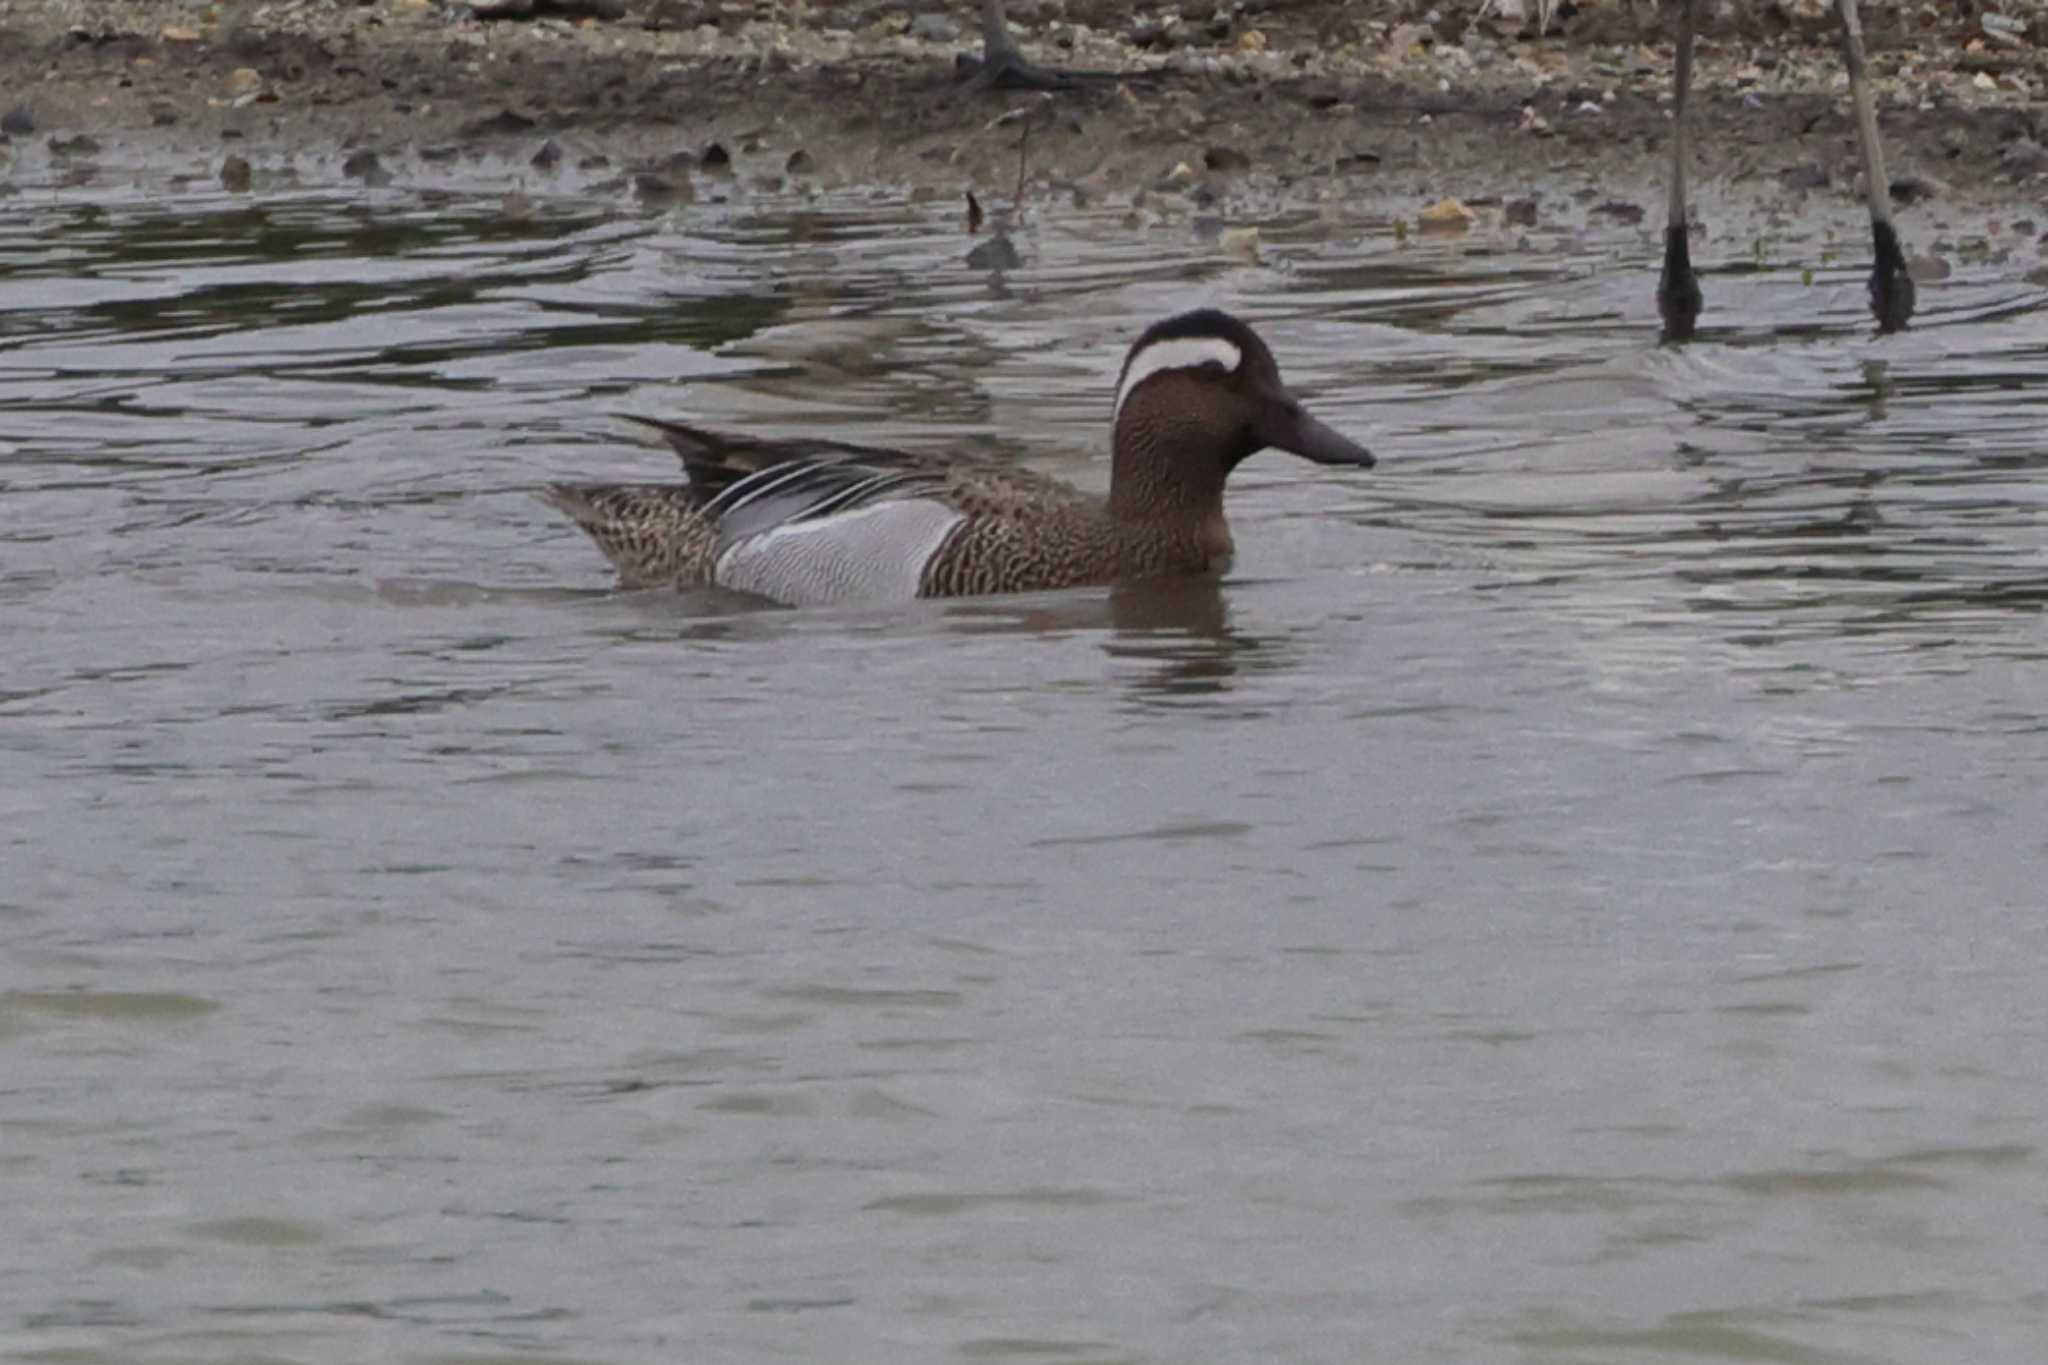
(811, 522)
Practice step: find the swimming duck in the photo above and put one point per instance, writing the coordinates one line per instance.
(806, 522)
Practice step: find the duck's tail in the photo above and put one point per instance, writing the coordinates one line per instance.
(716, 460)
(654, 534)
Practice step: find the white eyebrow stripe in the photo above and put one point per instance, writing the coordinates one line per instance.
(1175, 353)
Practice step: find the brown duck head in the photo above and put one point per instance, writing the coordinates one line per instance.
(1199, 393)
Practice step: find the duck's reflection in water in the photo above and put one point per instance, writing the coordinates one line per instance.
(1180, 629)
(1176, 629)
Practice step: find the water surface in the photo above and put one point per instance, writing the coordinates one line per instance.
(1572, 894)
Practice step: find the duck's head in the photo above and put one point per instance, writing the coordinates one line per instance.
(1200, 392)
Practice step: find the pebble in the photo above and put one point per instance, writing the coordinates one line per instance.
(661, 188)
(2023, 156)
(504, 122)
(1446, 215)
(996, 253)
(1912, 189)
(367, 167)
(934, 28)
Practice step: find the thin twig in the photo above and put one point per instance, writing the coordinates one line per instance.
(1023, 142)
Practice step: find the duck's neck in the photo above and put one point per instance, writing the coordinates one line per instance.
(1168, 508)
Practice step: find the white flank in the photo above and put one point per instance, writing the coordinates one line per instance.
(870, 554)
(1174, 353)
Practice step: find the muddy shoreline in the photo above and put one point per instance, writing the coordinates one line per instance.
(1382, 118)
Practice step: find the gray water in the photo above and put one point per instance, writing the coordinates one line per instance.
(1571, 894)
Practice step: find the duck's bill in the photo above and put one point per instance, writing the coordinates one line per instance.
(1287, 427)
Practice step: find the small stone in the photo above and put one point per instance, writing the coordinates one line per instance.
(548, 157)
(234, 175)
(934, 28)
(1621, 211)
(662, 189)
(1810, 175)
(2022, 156)
(1446, 215)
(716, 159)
(366, 167)
(1520, 212)
(1150, 34)
(2004, 29)
(1226, 159)
(1181, 176)
(996, 253)
(1912, 189)
(178, 33)
(244, 80)
(1405, 37)
(18, 121)
(504, 123)
(1240, 241)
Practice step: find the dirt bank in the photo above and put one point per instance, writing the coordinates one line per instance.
(1300, 101)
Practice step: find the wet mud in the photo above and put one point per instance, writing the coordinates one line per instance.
(1357, 107)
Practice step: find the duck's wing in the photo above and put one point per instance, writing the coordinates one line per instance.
(818, 490)
(1004, 492)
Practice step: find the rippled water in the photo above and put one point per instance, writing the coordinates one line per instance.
(1572, 895)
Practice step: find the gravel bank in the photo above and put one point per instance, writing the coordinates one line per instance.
(1309, 101)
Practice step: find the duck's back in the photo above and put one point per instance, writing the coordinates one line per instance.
(821, 522)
